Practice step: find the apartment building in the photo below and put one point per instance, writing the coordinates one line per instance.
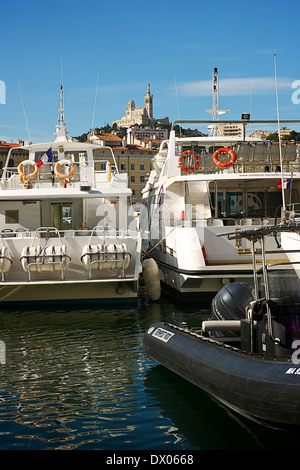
(133, 159)
(17, 156)
(137, 133)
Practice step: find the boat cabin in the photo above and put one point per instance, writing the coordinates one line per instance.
(223, 180)
(66, 192)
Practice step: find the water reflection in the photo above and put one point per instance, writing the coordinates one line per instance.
(81, 380)
(68, 375)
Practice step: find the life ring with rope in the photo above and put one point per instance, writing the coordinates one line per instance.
(186, 168)
(63, 175)
(224, 164)
(28, 175)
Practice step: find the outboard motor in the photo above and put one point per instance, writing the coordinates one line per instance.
(230, 303)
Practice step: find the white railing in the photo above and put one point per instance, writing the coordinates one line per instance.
(98, 231)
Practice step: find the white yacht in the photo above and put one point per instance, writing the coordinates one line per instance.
(290, 239)
(67, 229)
(201, 185)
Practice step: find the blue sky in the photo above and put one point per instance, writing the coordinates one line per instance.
(130, 44)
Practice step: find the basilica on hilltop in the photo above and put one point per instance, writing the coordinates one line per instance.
(140, 116)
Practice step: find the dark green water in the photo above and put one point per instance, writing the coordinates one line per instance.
(80, 379)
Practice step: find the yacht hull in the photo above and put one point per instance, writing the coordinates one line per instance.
(202, 284)
(196, 270)
(68, 231)
(44, 278)
(290, 242)
(71, 292)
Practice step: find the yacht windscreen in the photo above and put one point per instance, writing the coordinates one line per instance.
(246, 203)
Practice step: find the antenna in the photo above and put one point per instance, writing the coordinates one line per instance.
(23, 108)
(177, 104)
(61, 68)
(215, 84)
(215, 92)
(61, 110)
(95, 102)
(177, 99)
(279, 143)
(61, 130)
(251, 86)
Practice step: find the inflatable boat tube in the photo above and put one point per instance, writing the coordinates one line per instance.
(264, 390)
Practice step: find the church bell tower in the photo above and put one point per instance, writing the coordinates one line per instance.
(149, 103)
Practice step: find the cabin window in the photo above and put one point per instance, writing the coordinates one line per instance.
(39, 155)
(11, 217)
(77, 157)
(82, 158)
(234, 203)
(247, 204)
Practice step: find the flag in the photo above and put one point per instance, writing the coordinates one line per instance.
(286, 183)
(47, 157)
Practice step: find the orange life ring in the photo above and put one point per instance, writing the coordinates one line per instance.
(28, 175)
(64, 162)
(186, 168)
(226, 164)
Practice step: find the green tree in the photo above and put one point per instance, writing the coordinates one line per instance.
(273, 137)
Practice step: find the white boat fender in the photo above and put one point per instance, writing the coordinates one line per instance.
(5, 259)
(151, 278)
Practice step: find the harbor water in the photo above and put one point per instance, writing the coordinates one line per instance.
(79, 379)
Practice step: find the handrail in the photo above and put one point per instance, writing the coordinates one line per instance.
(6, 164)
(112, 153)
(245, 121)
(31, 233)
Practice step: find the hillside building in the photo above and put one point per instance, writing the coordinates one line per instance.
(133, 159)
(140, 116)
(138, 133)
(17, 156)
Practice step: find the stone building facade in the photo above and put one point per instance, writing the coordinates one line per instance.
(140, 116)
(133, 159)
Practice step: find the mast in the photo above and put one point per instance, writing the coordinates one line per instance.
(214, 129)
(215, 85)
(61, 130)
(279, 143)
(61, 110)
